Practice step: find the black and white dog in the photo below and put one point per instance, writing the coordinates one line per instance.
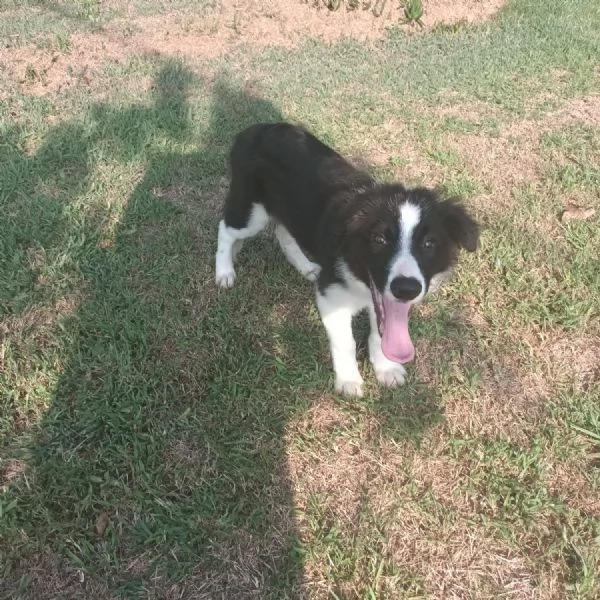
(376, 246)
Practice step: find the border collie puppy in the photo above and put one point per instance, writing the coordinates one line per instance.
(367, 245)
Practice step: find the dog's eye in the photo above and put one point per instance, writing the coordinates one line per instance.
(379, 239)
(429, 244)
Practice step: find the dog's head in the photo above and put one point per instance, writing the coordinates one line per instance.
(402, 243)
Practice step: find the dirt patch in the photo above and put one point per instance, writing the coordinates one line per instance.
(285, 23)
(453, 11)
(206, 34)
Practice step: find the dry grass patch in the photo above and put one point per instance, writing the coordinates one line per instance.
(395, 150)
(570, 360)
(10, 470)
(244, 562)
(475, 112)
(460, 560)
(199, 35)
(513, 416)
(494, 387)
(187, 465)
(25, 373)
(323, 416)
(500, 163)
(511, 158)
(326, 460)
(421, 515)
(288, 23)
(570, 482)
(189, 201)
(39, 318)
(47, 579)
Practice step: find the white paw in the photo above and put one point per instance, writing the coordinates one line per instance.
(312, 272)
(349, 387)
(391, 376)
(225, 279)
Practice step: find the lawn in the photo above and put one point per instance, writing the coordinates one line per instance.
(161, 439)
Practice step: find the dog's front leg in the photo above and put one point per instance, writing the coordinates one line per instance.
(337, 318)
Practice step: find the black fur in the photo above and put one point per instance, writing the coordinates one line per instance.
(335, 211)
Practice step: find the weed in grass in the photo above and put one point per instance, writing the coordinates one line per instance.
(413, 12)
(375, 6)
(63, 43)
(451, 28)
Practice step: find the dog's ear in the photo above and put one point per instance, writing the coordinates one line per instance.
(461, 227)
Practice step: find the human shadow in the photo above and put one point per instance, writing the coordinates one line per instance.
(160, 466)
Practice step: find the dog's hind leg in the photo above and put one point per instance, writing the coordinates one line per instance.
(294, 254)
(230, 240)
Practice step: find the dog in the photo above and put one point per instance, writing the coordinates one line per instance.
(367, 245)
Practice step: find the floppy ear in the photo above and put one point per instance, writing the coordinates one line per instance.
(461, 227)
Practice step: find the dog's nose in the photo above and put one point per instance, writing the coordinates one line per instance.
(405, 288)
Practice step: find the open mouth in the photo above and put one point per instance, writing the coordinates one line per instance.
(392, 321)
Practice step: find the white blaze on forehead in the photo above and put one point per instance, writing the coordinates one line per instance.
(404, 263)
(410, 215)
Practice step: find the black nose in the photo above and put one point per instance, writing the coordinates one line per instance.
(405, 288)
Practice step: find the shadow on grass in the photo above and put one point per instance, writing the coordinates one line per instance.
(159, 469)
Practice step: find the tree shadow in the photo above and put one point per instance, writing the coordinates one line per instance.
(159, 468)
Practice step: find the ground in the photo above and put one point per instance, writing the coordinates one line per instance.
(161, 439)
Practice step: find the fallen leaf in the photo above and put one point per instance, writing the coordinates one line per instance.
(574, 213)
(102, 523)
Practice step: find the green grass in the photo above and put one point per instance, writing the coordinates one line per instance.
(161, 439)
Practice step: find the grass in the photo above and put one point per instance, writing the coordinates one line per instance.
(159, 439)
(413, 11)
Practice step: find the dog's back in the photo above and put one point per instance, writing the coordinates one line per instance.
(292, 174)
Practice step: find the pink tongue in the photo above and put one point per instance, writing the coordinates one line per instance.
(395, 339)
